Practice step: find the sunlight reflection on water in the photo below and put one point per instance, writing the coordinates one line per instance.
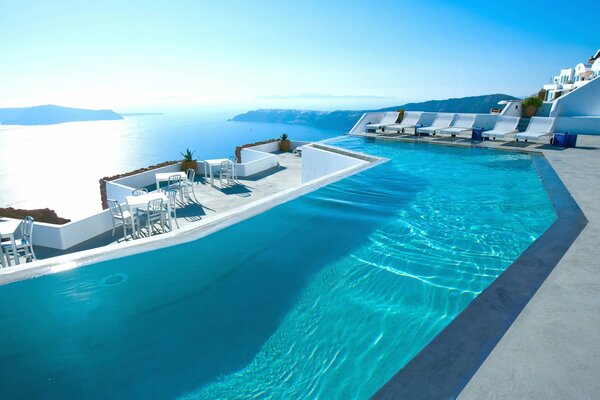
(58, 166)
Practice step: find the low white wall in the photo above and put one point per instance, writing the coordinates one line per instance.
(147, 178)
(68, 235)
(270, 147)
(255, 162)
(117, 191)
(584, 102)
(317, 163)
(578, 125)
(513, 109)
(298, 143)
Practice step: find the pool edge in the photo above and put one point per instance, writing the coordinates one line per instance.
(443, 368)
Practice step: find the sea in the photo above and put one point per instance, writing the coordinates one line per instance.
(59, 166)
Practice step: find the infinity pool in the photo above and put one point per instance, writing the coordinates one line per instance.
(326, 296)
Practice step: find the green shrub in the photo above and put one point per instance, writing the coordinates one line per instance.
(188, 155)
(532, 101)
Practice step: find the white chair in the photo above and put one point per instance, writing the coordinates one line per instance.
(462, 123)
(187, 186)
(505, 127)
(3, 263)
(225, 172)
(410, 121)
(442, 120)
(538, 128)
(139, 192)
(175, 182)
(388, 118)
(22, 247)
(233, 161)
(172, 196)
(154, 213)
(120, 217)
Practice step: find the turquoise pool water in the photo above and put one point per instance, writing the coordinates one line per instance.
(326, 296)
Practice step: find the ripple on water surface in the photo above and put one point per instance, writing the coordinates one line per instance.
(326, 296)
(441, 224)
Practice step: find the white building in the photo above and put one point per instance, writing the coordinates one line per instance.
(572, 78)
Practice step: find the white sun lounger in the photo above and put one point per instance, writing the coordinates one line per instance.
(411, 120)
(538, 128)
(505, 127)
(389, 118)
(462, 123)
(442, 120)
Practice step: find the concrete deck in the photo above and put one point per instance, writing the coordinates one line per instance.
(552, 350)
(212, 200)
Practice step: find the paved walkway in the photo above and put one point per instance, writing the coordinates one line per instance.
(552, 350)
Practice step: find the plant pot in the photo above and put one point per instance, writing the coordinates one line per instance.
(284, 145)
(530, 111)
(185, 165)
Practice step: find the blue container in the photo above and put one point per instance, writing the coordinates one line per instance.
(477, 134)
(564, 140)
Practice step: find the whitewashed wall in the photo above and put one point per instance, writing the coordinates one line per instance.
(583, 102)
(64, 236)
(118, 192)
(513, 109)
(317, 163)
(254, 162)
(147, 178)
(578, 125)
(270, 147)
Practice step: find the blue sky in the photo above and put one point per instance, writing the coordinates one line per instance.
(135, 54)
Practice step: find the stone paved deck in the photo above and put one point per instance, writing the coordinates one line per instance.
(552, 350)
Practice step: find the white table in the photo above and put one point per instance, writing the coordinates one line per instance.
(208, 166)
(8, 228)
(142, 201)
(164, 177)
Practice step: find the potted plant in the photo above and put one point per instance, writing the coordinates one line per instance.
(188, 160)
(530, 105)
(284, 143)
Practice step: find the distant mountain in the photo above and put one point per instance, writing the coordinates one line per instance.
(345, 120)
(50, 114)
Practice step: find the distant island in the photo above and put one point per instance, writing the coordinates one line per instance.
(51, 114)
(345, 120)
